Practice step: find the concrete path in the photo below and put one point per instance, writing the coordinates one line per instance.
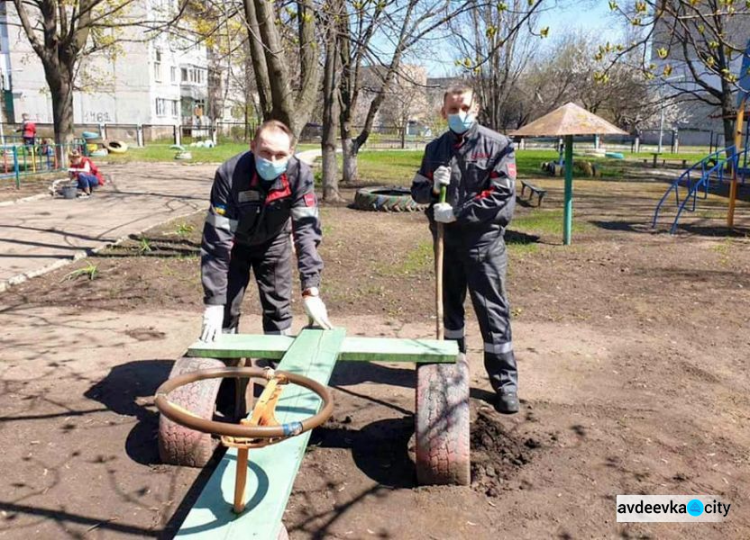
(41, 235)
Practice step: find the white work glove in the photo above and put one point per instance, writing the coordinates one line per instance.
(315, 309)
(213, 317)
(441, 177)
(444, 213)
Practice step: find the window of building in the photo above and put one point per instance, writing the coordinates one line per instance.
(184, 74)
(161, 107)
(175, 107)
(173, 74)
(157, 67)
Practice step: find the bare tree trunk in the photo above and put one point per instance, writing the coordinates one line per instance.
(328, 140)
(272, 71)
(351, 172)
(727, 112)
(60, 81)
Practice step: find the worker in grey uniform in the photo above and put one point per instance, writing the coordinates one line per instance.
(258, 198)
(477, 166)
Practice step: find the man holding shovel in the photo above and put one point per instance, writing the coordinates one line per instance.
(468, 178)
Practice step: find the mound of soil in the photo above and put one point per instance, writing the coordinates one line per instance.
(496, 455)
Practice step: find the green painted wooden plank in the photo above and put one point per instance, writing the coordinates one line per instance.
(271, 469)
(361, 349)
(243, 346)
(398, 350)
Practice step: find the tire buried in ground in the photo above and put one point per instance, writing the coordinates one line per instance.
(386, 199)
(442, 423)
(179, 445)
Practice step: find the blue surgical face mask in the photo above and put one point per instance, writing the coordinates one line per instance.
(460, 123)
(270, 170)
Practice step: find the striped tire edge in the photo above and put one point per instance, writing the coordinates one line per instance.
(179, 445)
(371, 200)
(442, 423)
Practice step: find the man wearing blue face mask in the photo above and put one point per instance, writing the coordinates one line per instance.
(258, 198)
(478, 169)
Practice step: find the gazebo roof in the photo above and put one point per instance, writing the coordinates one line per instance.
(569, 119)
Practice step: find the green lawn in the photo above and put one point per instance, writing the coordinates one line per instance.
(163, 152)
(691, 157)
(395, 167)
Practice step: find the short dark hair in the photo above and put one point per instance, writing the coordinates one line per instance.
(458, 90)
(274, 125)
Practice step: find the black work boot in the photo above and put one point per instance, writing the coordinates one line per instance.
(506, 403)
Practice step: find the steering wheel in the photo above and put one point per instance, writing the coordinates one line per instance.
(261, 429)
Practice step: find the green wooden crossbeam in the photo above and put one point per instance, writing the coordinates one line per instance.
(353, 348)
(273, 468)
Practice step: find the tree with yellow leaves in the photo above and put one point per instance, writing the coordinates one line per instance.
(691, 48)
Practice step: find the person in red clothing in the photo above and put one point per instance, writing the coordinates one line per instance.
(85, 172)
(28, 130)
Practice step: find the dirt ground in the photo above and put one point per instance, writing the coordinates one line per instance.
(632, 348)
(27, 188)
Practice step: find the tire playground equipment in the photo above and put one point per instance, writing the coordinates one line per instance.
(117, 147)
(188, 431)
(386, 199)
(442, 423)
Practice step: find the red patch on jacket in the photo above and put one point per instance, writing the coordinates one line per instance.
(276, 194)
(512, 170)
(310, 199)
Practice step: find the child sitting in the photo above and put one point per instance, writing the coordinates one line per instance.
(85, 172)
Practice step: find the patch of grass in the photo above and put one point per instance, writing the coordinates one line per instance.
(417, 261)
(691, 157)
(547, 222)
(90, 271)
(184, 229)
(391, 167)
(522, 249)
(163, 152)
(723, 249)
(144, 246)
(397, 167)
(708, 214)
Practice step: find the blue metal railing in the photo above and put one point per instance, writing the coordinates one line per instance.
(712, 166)
(19, 160)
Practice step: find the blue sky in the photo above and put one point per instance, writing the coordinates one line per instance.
(585, 15)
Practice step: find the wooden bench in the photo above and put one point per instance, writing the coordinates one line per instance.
(272, 469)
(664, 161)
(533, 190)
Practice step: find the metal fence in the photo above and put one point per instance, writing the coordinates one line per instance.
(21, 160)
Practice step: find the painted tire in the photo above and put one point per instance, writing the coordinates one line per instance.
(386, 199)
(615, 155)
(117, 147)
(442, 423)
(179, 445)
(100, 153)
(90, 135)
(183, 156)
